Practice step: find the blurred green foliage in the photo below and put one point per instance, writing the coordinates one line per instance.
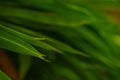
(61, 40)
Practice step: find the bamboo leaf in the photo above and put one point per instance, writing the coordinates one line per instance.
(16, 44)
(30, 39)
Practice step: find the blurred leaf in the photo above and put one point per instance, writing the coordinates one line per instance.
(3, 76)
(30, 39)
(51, 41)
(25, 64)
(80, 29)
(40, 17)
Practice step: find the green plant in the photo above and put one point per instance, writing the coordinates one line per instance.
(59, 40)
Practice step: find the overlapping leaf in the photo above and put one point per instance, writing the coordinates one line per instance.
(16, 44)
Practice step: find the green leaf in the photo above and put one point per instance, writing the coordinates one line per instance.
(30, 39)
(3, 76)
(22, 15)
(13, 43)
(51, 41)
(25, 64)
(66, 72)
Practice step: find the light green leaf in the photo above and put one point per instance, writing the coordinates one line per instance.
(3, 76)
(29, 39)
(13, 43)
